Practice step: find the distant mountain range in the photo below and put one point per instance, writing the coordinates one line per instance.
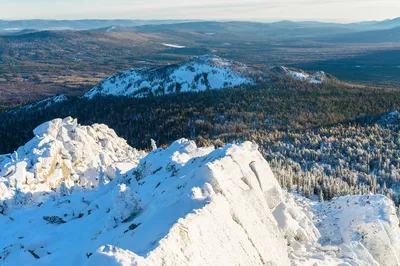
(372, 36)
(281, 28)
(85, 24)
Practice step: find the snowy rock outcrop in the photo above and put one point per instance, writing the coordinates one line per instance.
(317, 77)
(180, 206)
(62, 156)
(365, 228)
(199, 74)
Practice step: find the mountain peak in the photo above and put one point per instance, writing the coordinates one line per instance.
(206, 72)
(199, 74)
(212, 60)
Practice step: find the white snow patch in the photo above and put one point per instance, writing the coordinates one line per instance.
(173, 45)
(317, 77)
(366, 228)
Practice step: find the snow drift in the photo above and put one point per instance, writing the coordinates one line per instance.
(180, 206)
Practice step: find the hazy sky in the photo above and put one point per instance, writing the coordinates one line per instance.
(267, 10)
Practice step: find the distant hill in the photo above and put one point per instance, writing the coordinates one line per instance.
(199, 74)
(389, 23)
(289, 29)
(375, 36)
(283, 28)
(15, 25)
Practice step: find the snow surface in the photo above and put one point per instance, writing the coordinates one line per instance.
(199, 74)
(317, 77)
(43, 104)
(173, 45)
(62, 156)
(365, 228)
(180, 206)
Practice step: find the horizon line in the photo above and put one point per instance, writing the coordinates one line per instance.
(337, 21)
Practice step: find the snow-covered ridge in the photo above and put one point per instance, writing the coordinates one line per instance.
(43, 104)
(180, 206)
(183, 205)
(317, 77)
(199, 74)
(63, 156)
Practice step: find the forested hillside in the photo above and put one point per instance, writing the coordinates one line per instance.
(296, 124)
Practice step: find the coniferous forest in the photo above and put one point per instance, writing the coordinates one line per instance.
(323, 140)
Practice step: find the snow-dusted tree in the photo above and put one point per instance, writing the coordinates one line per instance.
(21, 198)
(64, 190)
(153, 144)
(290, 182)
(103, 179)
(321, 196)
(126, 205)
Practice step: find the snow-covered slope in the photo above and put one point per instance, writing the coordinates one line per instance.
(317, 77)
(62, 156)
(43, 104)
(199, 74)
(365, 228)
(180, 206)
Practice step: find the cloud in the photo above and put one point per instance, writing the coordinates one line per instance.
(338, 10)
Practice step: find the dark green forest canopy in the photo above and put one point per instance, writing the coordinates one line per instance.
(230, 115)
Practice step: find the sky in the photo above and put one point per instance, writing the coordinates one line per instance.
(254, 10)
